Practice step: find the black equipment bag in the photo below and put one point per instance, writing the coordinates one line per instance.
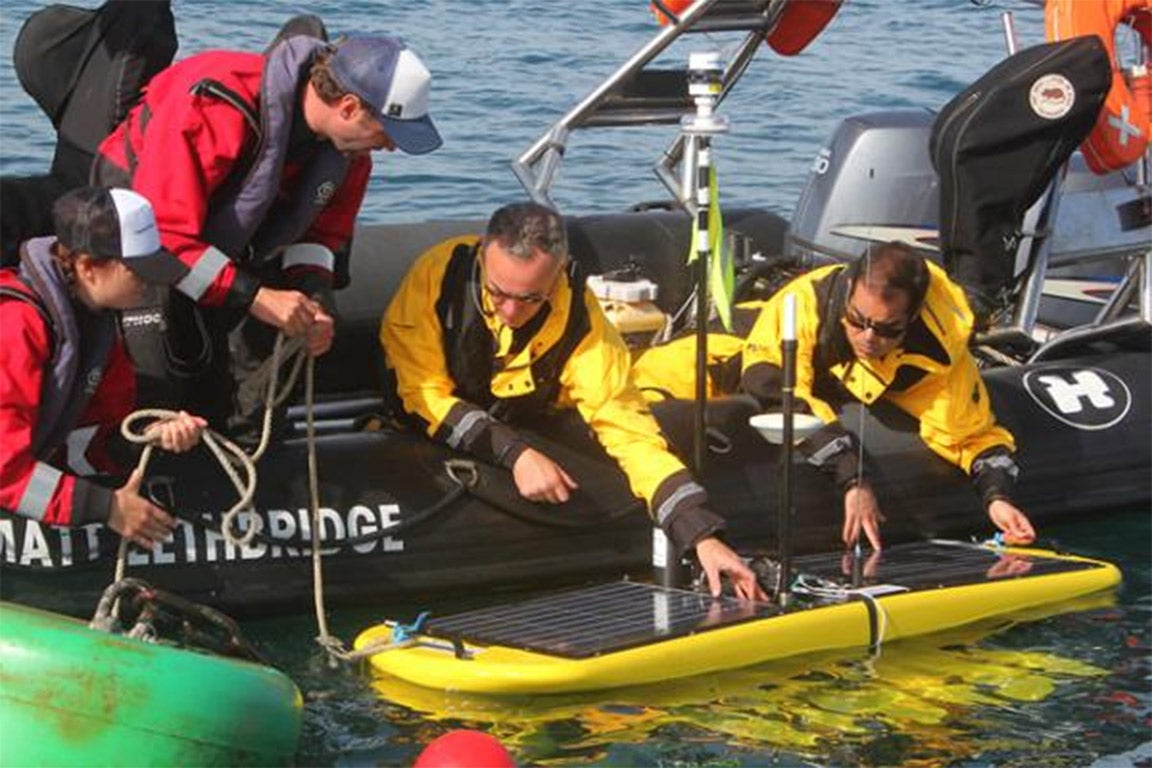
(86, 69)
(996, 147)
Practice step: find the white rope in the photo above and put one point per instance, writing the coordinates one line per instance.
(333, 645)
(233, 458)
(240, 467)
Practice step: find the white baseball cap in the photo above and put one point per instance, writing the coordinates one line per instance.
(116, 224)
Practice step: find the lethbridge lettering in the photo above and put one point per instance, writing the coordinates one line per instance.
(27, 543)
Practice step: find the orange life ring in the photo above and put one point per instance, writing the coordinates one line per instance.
(1120, 135)
(800, 22)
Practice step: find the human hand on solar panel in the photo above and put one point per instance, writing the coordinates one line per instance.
(861, 513)
(717, 559)
(1014, 523)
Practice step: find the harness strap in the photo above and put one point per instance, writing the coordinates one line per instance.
(216, 89)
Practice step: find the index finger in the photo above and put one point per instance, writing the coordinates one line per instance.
(566, 477)
(851, 530)
(872, 531)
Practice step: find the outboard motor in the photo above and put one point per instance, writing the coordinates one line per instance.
(874, 173)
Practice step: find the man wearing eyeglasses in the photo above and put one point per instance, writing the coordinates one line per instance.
(890, 325)
(484, 335)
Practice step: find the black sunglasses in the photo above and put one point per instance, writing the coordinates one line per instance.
(883, 330)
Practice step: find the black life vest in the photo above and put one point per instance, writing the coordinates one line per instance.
(469, 347)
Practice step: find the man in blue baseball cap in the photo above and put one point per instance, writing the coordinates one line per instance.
(392, 82)
(257, 165)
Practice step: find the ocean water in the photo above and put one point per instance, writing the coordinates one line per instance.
(1066, 690)
(505, 70)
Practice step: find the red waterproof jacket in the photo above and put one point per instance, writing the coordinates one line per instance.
(65, 498)
(187, 146)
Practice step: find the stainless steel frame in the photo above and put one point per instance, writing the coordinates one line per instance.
(607, 105)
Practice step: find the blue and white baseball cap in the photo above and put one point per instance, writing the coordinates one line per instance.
(391, 79)
(116, 224)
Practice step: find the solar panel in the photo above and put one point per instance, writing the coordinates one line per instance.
(595, 620)
(935, 564)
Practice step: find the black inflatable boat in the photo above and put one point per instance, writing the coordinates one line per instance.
(403, 516)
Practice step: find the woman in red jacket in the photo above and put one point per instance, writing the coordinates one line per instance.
(65, 380)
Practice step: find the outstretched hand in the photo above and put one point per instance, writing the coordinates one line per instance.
(717, 558)
(135, 518)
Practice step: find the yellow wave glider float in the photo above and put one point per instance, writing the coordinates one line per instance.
(629, 633)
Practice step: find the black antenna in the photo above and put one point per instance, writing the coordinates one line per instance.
(784, 521)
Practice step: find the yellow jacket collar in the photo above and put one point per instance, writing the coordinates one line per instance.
(514, 372)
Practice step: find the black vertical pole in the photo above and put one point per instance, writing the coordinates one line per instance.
(703, 253)
(784, 520)
(705, 72)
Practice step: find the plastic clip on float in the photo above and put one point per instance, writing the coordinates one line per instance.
(402, 633)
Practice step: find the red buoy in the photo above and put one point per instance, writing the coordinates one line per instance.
(465, 749)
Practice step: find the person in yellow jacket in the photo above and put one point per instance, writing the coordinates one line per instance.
(483, 334)
(890, 325)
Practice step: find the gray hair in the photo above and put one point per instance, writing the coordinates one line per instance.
(524, 228)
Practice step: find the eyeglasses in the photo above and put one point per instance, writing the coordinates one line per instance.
(533, 297)
(889, 330)
(498, 295)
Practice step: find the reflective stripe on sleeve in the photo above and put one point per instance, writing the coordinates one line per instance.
(39, 491)
(204, 272)
(669, 506)
(829, 450)
(997, 461)
(461, 430)
(307, 255)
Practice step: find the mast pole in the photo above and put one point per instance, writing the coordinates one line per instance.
(705, 85)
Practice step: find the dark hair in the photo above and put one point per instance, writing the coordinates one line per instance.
(320, 75)
(65, 259)
(84, 220)
(892, 268)
(524, 228)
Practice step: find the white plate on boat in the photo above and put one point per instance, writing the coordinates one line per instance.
(771, 426)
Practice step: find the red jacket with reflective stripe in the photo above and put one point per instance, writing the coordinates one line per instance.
(188, 146)
(25, 354)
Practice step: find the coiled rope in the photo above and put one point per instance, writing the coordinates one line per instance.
(239, 466)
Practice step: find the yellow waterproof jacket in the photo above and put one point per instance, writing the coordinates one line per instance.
(467, 377)
(931, 375)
